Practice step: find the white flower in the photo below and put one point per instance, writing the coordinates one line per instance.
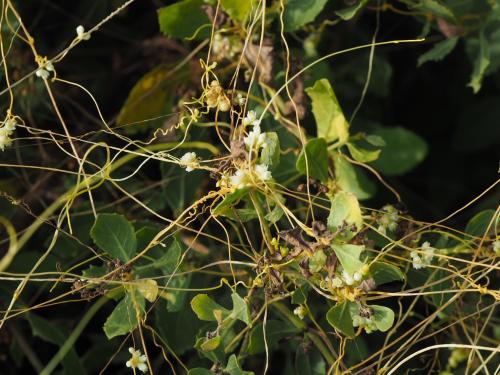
(428, 252)
(255, 139)
(81, 34)
(240, 179)
(388, 220)
(347, 278)
(300, 311)
(190, 161)
(496, 247)
(42, 73)
(357, 276)
(251, 119)
(10, 125)
(137, 361)
(241, 100)
(5, 140)
(262, 172)
(337, 282)
(417, 261)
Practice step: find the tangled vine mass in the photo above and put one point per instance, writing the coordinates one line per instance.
(206, 187)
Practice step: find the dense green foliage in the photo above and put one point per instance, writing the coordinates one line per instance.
(249, 187)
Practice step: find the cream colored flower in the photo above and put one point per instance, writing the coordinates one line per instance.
(81, 34)
(255, 138)
(5, 140)
(262, 172)
(137, 361)
(190, 161)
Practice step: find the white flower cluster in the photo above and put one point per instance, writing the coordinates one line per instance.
(388, 220)
(300, 311)
(365, 322)
(81, 34)
(190, 161)
(248, 177)
(6, 130)
(224, 47)
(346, 279)
(44, 70)
(137, 361)
(426, 258)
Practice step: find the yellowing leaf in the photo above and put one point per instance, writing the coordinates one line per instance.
(345, 210)
(148, 288)
(330, 120)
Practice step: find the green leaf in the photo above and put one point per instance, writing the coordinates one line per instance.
(347, 13)
(404, 150)
(480, 64)
(275, 331)
(207, 309)
(351, 178)
(182, 19)
(151, 97)
(299, 296)
(233, 367)
(331, 123)
(115, 235)
(383, 317)
(200, 371)
(54, 333)
(439, 51)
(238, 10)
(210, 345)
(344, 210)
(363, 155)
(309, 362)
(339, 317)
(123, 319)
(298, 13)
(229, 200)
(384, 273)
(170, 258)
(271, 152)
(317, 160)
(317, 261)
(436, 8)
(241, 310)
(349, 256)
(479, 223)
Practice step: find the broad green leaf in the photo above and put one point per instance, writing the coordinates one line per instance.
(317, 160)
(331, 123)
(148, 289)
(114, 235)
(229, 200)
(241, 214)
(233, 367)
(403, 151)
(207, 309)
(55, 334)
(298, 13)
(383, 317)
(317, 261)
(271, 152)
(275, 214)
(339, 317)
(309, 362)
(345, 210)
(299, 295)
(439, 51)
(123, 319)
(384, 273)
(275, 331)
(351, 178)
(241, 310)
(238, 10)
(349, 256)
(363, 155)
(94, 272)
(479, 223)
(481, 63)
(177, 298)
(347, 13)
(182, 19)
